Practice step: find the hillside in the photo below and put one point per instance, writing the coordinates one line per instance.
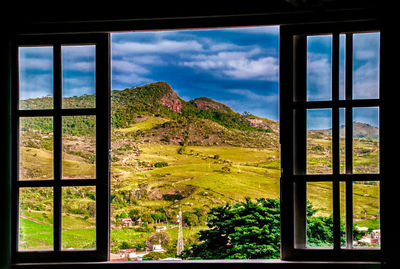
(159, 99)
(360, 130)
(167, 154)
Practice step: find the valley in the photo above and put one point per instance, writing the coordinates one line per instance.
(170, 155)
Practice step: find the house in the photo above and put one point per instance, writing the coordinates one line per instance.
(126, 222)
(161, 228)
(158, 248)
(362, 229)
(129, 254)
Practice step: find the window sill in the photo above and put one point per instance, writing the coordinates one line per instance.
(270, 263)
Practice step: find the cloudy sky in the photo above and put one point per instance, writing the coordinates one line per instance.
(365, 77)
(236, 66)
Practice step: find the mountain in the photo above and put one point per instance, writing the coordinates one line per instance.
(201, 121)
(364, 130)
(160, 99)
(360, 130)
(154, 113)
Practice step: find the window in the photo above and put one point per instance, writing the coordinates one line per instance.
(331, 142)
(61, 150)
(330, 129)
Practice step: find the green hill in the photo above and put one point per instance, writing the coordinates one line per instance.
(167, 154)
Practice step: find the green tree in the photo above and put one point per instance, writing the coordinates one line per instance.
(190, 219)
(247, 230)
(251, 230)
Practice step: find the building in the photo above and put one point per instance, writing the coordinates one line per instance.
(126, 222)
(158, 248)
(161, 228)
(128, 254)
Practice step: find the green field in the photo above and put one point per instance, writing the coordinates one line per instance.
(164, 161)
(198, 176)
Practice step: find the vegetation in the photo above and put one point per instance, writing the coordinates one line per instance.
(200, 157)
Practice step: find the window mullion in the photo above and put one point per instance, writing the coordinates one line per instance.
(57, 147)
(335, 141)
(300, 140)
(349, 139)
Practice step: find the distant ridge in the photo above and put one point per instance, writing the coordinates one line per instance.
(360, 130)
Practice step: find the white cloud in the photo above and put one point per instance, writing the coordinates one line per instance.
(319, 76)
(40, 64)
(366, 81)
(129, 80)
(80, 66)
(164, 46)
(128, 67)
(237, 65)
(254, 96)
(33, 86)
(264, 68)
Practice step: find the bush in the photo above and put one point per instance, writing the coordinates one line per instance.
(160, 164)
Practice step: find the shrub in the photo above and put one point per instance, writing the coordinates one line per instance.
(160, 164)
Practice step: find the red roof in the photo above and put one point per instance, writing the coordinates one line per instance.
(128, 250)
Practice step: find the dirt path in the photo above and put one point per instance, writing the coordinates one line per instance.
(36, 221)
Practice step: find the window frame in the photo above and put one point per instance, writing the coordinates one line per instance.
(289, 188)
(293, 121)
(102, 113)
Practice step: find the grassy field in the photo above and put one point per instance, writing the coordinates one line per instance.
(153, 177)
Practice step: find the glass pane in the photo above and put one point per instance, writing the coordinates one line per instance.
(319, 68)
(78, 147)
(366, 216)
(319, 141)
(35, 219)
(342, 196)
(319, 214)
(35, 77)
(78, 218)
(78, 76)
(35, 148)
(366, 50)
(366, 140)
(342, 140)
(342, 67)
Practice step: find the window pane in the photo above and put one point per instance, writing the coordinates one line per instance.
(35, 148)
(342, 140)
(319, 68)
(342, 197)
(35, 77)
(78, 76)
(35, 219)
(319, 141)
(366, 48)
(366, 140)
(342, 67)
(319, 214)
(366, 214)
(78, 218)
(78, 147)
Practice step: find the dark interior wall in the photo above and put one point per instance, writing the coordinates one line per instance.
(117, 15)
(58, 17)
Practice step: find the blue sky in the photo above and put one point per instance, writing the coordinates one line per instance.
(365, 76)
(236, 66)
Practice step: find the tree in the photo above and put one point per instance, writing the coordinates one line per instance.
(247, 230)
(190, 219)
(251, 230)
(158, 238)
(134, 214)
